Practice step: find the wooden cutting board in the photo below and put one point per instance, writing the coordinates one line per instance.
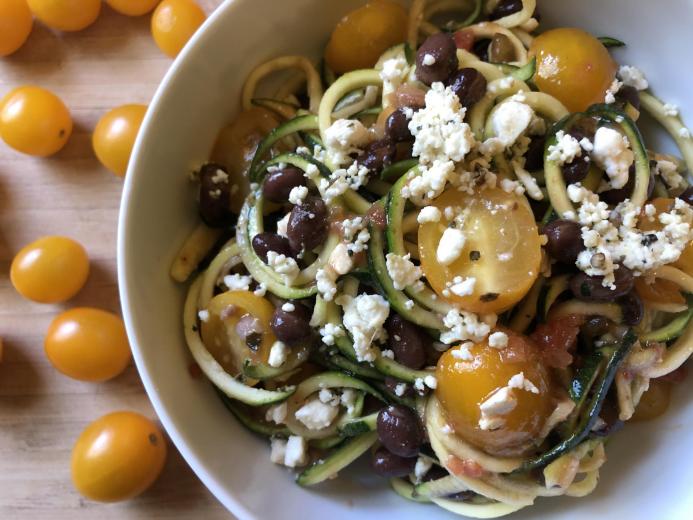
(42, 412)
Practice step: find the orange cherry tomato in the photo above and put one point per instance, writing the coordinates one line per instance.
(654, 402)
(115, 134)
(88, 344)
(34, 121)
(117, 457)
(173, 24)
(363, 35)
(662, 205)
(659, 291)
(50, 270)
(502, 250)
(15, 25)
(463, 385)
(132, 7)
(573, 66)
(66, 15)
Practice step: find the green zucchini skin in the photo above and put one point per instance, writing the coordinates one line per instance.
(338, 460)
(360, 425)
(260, 427)
(524, 73)
(406, 490)
(396, 170)
(594, 406)
(609, 42)
(671, 330)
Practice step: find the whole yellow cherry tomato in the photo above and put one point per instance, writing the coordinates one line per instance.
(118, 457)
(88, 344)
(15, 25)
(66, 15)
(34, 121)
(132, 7)
(51, 269)
(173, 24)
(115, 134)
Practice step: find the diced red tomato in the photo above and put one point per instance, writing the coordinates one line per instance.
(464, 39)
(557, 338)
(464, 467)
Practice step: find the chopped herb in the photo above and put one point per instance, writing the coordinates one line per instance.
(474, 255)
(489, 297)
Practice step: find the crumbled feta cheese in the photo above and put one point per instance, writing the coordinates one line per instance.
(348, 399)
(610, 94)
(428, 214)
(431, 382)
(344, 137)
(430, 183)
(364, 317)
(450, 246)
(388, 354)
(633, 77)
(296, 452)
(220, 176)
(463, 326)
(351, 227)
(298, 195)
(498, 340)
(428, 60)
(510, 120)
(520, 382)
(400, 389)
(326, 396)
(278, 354)
(237, 282)
(462, 353)
(422, 466)
(282, 224)
(329, 332)
(394, 73)
(409, 304)
(419, 385)
(261, 290)
(283, 265)
(316, 415)
(339, 260)
(510, 186)
(566, 149)
(326, 282)
(464, 287)
(278, 450)
(402, 270)
(288, 307)
(341, 180)
(669, 173)
(203, 315)
(671, 110)
(528, 181)
(613, 154)
(500, 403)
(277, 413)
(685, 133)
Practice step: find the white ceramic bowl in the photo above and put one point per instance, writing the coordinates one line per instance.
(649, 474)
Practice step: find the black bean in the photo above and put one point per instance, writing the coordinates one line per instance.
(629, 94)
(595, 326)
(215, 195)
(687, 195)
(378, 155)
(308, 224)
(392, 383)
(291, 327)
(406, 341)
(590, 288)
(441, 47)
(534, 157)
(469, 85)
(614, 196)
(389, 465)
(265, 242)
(480, 48)
(632, 307)
(584, 128)
(564, 240)
(576, 170)
(505, 8)
(501, 49)
(400, 430)
(397, 127)
(279, 184)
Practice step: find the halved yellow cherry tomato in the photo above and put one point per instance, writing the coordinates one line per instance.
(654, 402)
(50, 270)
(659, 291)
(236, 145)
(34, 121)
(88, 344)
(573, 66)
(132, 7)
(15, 25)
(221, 337)
(663, 205)
(463, 385)
(173, 24)
(117, 457)
(502, 250)
(115, 134)
(66, 15)
(363, 35)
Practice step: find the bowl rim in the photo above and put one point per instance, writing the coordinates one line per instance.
(228, 500)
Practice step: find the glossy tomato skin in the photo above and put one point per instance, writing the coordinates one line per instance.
(51, 269)
(132, 7)
(66, 15)
(16, 22)
(115, 134)
(88, 344)
(173, 24)
(34, 121)
(117, 457)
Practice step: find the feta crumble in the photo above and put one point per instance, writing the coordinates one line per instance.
(296, 453)
(402, 270)
(428, 214)
(422, 466)
(316, 415)
(668, 171)
(610, 94)
(428, 60)
(463, 326)
(298, 195)
(394, 72)
(520, 382)
(283, 265)
(462, 353)
(463, 287)
(282, 224)
(498, 340)
(237, 282)
(499, 404)
(326, 281)
(364, 317)
(278, 354)
(613, 154)
(633, 77)
(277, 413)
(344, 137)
(288, 307)
(510, 120)
(450, 246)
(566, 149)
(340, 260)
(671, 110)
(203, 315)
(329, 332)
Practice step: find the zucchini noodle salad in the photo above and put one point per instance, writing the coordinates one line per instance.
(446, 246)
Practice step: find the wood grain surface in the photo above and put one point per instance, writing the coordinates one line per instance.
(42, 412)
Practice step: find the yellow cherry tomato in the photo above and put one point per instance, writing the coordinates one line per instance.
(664, 205)
(573, 66)
(173, 24)
(51, 269)
(34, 121)
(117, 457)
(502, 250)
(132, 7)
(88, 344)
(463, 385)
(15, 25)
(115, 134)
(363, 35)
(654, 402)
(66, 15)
